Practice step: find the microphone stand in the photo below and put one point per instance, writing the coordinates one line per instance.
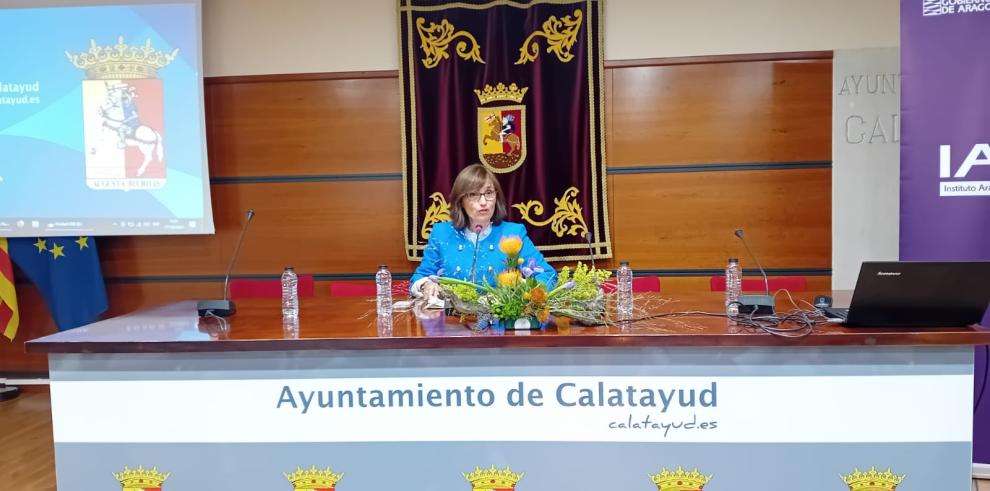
(591, 250)
(756, 304)
(477, 240)
(225, 307)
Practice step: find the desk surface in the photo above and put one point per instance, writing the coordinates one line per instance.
(349, 323)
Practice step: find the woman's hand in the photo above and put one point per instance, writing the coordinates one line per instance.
(430, 289)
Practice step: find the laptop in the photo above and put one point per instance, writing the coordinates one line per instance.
(917, 294)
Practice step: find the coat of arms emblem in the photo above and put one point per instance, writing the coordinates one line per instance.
(123, 115)
(502, 129)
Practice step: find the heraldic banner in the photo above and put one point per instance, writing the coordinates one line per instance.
(516, 86)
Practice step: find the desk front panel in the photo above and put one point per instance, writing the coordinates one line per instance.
(568, 418)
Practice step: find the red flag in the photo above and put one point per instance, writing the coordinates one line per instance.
(9, 318)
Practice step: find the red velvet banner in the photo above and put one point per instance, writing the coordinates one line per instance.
(516, 86)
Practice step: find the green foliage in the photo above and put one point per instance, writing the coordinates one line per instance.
(577, 295)
(585, 280)
(466, 293)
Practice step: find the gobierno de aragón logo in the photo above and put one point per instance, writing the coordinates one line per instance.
(948, 7)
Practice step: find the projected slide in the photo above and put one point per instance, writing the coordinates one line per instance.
(101, 121)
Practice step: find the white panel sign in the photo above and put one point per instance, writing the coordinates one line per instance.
(866, 85)
(762, 409)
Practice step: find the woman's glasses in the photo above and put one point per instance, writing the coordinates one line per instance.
(488, 195)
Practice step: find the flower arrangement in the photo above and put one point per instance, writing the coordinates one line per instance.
(518, 295)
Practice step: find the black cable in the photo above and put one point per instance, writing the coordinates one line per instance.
(983, 385)
(772, 324)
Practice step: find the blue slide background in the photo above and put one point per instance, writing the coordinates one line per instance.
(42, 161)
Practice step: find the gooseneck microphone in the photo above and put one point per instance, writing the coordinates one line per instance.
(477, 240)
(591, 250)
(756, 304)
(226, 307)
(766, 281)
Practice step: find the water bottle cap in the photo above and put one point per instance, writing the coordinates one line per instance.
(289, 267)
(382, 266)
(624, 263)
(733, 260)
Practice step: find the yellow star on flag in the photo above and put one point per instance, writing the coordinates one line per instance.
(83, 242)
(41, 245)
(57, 251)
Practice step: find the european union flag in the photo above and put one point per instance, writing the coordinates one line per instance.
(67, 271)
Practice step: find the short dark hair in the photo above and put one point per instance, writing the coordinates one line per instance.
(471, 179)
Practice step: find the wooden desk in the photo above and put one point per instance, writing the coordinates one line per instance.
(608, 407)
(349, 323)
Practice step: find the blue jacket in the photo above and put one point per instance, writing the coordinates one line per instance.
(452, 251)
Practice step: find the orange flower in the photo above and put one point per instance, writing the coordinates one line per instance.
(508, 278)
(538, 295)
(543, 315)
(510, 245)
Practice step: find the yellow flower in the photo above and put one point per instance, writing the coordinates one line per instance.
(508, 278)
(510, 245)
(520, 261)
(543, 315)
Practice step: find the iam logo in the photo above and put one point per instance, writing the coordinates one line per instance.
(963, 180)
(502, 129)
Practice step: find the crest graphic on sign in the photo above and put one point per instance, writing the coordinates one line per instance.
(123, 115)
(314, 479)
(873, 480)
(679, 480)
(502, 129)
(493, 479)
(141, 479)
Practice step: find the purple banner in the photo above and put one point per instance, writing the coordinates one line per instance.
(945, 147)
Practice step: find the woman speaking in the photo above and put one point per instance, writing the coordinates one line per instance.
(467, 247)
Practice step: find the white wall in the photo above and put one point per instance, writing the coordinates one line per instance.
(246, 37)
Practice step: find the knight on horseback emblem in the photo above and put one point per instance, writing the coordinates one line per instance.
(502, 129)
(123, 115)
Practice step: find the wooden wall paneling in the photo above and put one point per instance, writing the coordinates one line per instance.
(163, 255)
(673, 285)
(318, 227)
(35, 323)
(762, 111)
(130, 296)
(686, 220)
(658, 112)
(304, 127)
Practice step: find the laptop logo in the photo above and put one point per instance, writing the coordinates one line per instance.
(888, 273)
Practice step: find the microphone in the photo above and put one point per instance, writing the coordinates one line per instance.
(591, 250)
(477, 240)
(756, 304)
(225, 307)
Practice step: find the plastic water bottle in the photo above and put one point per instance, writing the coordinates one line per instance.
(290, 293)
(733, 286)
(624, 278)
(383, 285)
(290, 327)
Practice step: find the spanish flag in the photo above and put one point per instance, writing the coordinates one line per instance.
(8, 298)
